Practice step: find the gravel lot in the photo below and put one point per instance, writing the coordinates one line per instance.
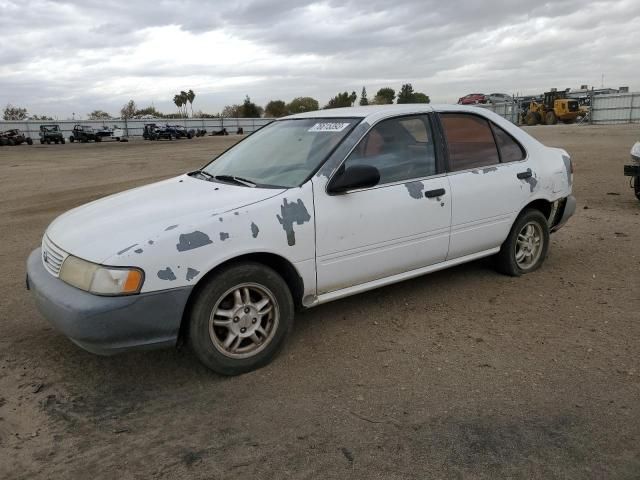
(460, 374)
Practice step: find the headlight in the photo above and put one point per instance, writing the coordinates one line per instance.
(100, 280)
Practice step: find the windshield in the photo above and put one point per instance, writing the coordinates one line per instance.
(284, 153)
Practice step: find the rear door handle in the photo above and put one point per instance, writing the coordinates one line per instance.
(523, 175)
(438, 192)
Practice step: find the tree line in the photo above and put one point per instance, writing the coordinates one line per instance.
(248, 109)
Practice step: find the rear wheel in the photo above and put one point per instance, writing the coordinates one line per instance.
(526, 247)
(550, 118)
(241, 318)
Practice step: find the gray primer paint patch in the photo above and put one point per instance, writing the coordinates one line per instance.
(138, 250)
(254, 230)
(127, 249)
(170, 227)
(191, 274)
(189, 241)
(224, 236)
(489, 169)
(532, 181)
(292, 213)
(415, 189)
(166, 274)
(567, 167)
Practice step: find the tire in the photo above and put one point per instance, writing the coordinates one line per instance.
(62, 140)
(29, 141)
(217, 294)
(506, 260)
(550, 118)
(636, 187)
(41, 142)
(532, 118)
(71, 139)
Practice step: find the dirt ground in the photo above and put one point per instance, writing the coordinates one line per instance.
(460, 374)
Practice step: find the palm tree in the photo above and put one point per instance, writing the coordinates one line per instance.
(184, 98)
(177, 99)
(190, 97)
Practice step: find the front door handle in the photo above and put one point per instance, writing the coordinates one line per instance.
(438, 192)
(523, 175)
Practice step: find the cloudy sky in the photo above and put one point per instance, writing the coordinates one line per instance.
(59, 57)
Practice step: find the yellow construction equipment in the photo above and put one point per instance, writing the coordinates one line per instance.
(554, 106)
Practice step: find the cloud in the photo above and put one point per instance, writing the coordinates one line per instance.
(59, 57)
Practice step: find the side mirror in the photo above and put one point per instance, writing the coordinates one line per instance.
(356, 176)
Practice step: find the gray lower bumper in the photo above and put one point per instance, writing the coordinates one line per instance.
(107, 325)
(567, 212)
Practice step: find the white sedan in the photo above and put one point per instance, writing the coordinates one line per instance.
(311, 208)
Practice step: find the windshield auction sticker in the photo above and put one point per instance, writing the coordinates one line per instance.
(328, 127)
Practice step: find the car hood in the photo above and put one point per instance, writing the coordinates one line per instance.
(103, 228)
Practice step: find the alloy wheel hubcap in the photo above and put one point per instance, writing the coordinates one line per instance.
(529, 245)
(244, 320)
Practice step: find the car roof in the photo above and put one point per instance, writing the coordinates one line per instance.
(374, 113)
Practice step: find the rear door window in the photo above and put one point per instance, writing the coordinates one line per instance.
(469, 140)
(510, 149)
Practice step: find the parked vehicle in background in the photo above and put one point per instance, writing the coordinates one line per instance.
(554, 106)
(84, 134)
(178, 131)
(309, 209)
(104, 132)
(51, 134)
(153, 131)
(500, 98)
(473, 99)
(114, 133)
(15, 136)
(633, 170)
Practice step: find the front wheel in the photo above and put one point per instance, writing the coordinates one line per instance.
(241, 318)
(526, 247)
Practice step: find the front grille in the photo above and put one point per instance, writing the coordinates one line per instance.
(52, 256)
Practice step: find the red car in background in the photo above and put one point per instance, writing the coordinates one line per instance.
(473, 98)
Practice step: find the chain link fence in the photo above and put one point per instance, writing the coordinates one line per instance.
(135, 127)
(604, 110)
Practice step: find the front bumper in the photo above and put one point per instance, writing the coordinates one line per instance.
(107, 325)
(567, 212)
